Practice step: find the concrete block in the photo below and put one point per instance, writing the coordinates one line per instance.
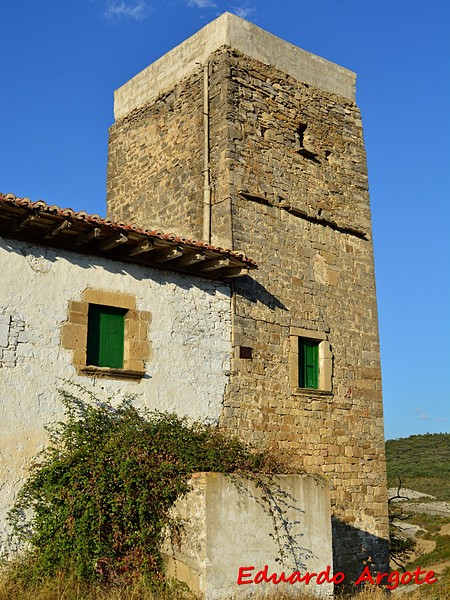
(232, 527)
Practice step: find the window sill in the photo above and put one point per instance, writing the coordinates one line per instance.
(111, 373)
(311, 392)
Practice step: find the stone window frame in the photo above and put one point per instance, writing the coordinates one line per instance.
(325, 361)
(74, 334)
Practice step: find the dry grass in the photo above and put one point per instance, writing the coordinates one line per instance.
(64, 589)
(68, 588)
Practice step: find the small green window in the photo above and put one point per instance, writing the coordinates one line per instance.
(308, 364)
(106, 329)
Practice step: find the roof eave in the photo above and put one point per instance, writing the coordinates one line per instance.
(40, 223)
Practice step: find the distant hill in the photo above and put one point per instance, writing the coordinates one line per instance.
(422, 462)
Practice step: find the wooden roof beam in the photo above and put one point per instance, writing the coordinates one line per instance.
(191, 258)
(234, 272)
(56, 229)
(21, 223)
(145, 246)
(86, 236)
(215, 263)
(168, 254)
(112, 242)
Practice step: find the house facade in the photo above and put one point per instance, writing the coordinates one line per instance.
(108, 318)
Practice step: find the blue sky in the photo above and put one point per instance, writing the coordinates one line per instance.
(61, 60)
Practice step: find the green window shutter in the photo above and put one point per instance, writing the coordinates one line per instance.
(106, 328)
(308, 363)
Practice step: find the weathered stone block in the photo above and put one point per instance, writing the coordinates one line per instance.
(229, 522)
(73, 336)
(24, 350)
(95, 296)
(4, 334)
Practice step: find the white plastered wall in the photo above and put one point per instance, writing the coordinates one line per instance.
(189, 334)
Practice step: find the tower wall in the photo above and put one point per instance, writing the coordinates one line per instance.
(301, 210)
(155, 161)
(289, 179)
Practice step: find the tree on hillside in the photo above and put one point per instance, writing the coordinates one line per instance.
(401, 547)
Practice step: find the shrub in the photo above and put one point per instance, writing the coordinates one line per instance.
(98, 497)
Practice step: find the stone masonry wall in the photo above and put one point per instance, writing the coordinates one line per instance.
(155, 162)
(290, 189)
(13, 340)
(288, 144)
(300, 208)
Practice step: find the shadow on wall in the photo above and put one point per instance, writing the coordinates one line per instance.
(253, 291)
(41, 260)
(354, 549)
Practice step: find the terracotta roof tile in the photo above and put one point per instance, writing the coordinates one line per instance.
(85, 221)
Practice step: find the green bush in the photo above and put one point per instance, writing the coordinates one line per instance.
(98, 497)
(423, 463)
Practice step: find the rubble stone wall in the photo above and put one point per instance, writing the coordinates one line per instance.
(300, 208)
(155, 162)
(290, 189)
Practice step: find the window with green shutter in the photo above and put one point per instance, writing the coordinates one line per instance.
(308, 363)
(105, 341)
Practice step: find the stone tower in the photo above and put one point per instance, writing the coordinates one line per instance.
(241, 138)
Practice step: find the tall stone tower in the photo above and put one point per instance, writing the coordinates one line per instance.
(241, 138)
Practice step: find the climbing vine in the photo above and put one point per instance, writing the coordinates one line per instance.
(98, 498)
